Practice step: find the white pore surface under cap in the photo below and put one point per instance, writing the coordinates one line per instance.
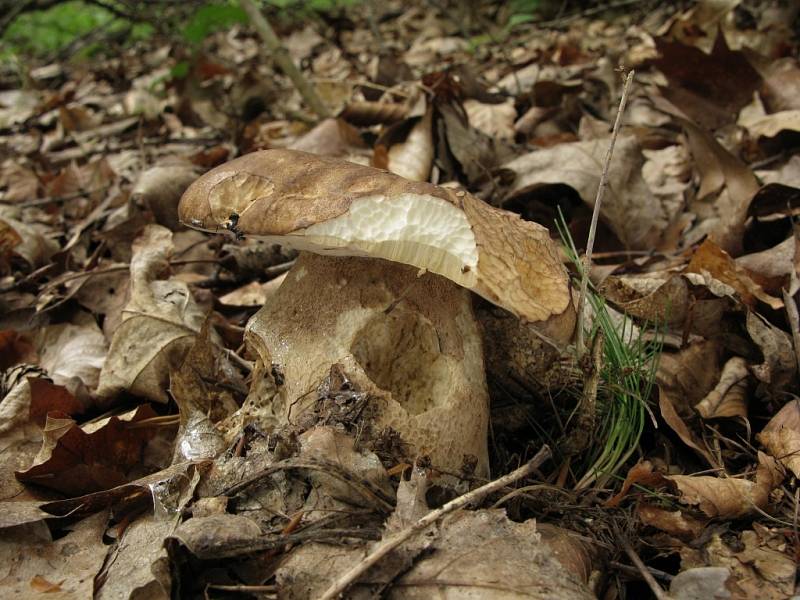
(420, 230)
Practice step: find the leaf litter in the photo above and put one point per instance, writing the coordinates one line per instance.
(142, 454)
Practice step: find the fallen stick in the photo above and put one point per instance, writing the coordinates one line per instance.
(601, 189)
(282, 58)
(393, 541)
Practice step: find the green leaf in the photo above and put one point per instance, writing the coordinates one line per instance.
(210, 18)
(180, 70)
(519, 19)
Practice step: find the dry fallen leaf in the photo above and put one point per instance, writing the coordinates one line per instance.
(72, 355)
(710, 88)
(629, 208)
(779, 368)
(80, 460)
(495, 120)
(160, 187)
(683, 379)
(729, 396)
(413, 157)
(70, 562)
(159, 323)
(727, 187)
(676, 523)
(729, 497)
(474, 552)
(758, 564)
(710, 258)
(138, 564)
(781, 436)
(200, 388)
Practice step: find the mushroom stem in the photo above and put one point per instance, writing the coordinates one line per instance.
(407, 345)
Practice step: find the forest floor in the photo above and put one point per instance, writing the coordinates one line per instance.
(137, 456)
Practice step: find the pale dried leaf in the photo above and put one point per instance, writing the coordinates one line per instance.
(72, 352)
(138, 567)
(160, 187)
(727, 186)
(159, 324)
(476, 553)
(780, 364)
(36, 246)
(776, 263)
(332, 137)
(729, 396)
(413, 158)
(629, 207)
(495, 120)
(71, 561)
(771, 125)
(758, 562)
(781, 436)
(21, 183)
(676, 523)
(728, 497)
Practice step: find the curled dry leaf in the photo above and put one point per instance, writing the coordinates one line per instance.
(728, 497)
(772, 125)
(332, 137)
(683, 379)
(676, 523)
(413, 157)
(495, 120)
(729, 396)
(757, 560)
(641, 473)
(775, 268)
(200, 388)
(9, 239)
(159, 323)
(365, 114)
(137, 566)
(218, 536)
(31, 242)
(159, 189)
(253, 293)
(79, 460)
(21, 184)
(727, 187)
(779, 368)
(72, 355)
(21, 434)
(324, 443)
(710, 258)
(781, 89)
(629, 208)
(781, 436)
(476, 153)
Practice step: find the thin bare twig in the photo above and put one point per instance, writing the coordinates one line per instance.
(647, 576)
(601, 189)
(393, 541)
(282, 58)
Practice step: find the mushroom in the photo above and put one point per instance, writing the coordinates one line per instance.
(380, 291)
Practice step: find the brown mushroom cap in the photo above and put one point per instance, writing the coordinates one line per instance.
(330, 206)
